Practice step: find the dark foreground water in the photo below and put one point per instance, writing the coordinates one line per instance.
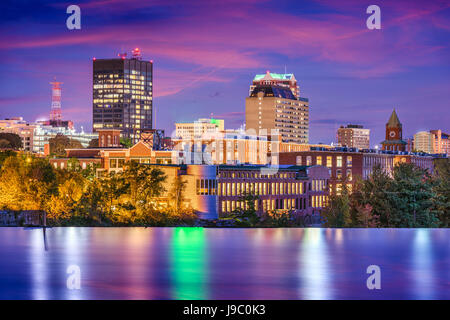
(197, 263)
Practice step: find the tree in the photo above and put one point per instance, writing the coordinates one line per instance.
(246, 214)
(126, 142)
(337, 213)
(10, 140)
(365, 217)
(4, 144)
(5, 155)
(412, 198)
(376, 191)
(113, 188)
(60, 143)
(146, 183)
(441, 187)
(176, 193)
(26, 183)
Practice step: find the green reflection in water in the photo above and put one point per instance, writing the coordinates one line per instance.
(188, 264)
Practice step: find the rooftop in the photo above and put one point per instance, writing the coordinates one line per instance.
(273, 91)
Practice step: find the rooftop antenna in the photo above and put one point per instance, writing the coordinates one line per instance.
(137, 54)
(285, 70)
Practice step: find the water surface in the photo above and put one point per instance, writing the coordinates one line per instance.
(198, 263)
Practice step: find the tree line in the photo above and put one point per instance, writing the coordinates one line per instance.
(76, 196)
(409, 198)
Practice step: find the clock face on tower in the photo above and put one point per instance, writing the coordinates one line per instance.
(392, 134)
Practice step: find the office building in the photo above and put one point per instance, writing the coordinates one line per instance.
(354, 136)
(274, 108)
(123, 94)
(279, 79)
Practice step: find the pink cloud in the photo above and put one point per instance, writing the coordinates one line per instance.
(238, 35)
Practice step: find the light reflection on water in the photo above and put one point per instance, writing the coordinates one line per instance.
(198, 263)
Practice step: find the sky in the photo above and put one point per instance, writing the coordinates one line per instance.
(206, 54)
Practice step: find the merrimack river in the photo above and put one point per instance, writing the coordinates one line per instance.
(202, 263)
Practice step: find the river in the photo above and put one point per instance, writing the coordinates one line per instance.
(201, 263)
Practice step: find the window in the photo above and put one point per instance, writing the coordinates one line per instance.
(349, 174)
(329, 163)
(308, 160)
(299, 160)
(319, 160)
(113, 163)
(339, 173)
(349, 161)
(339, 161)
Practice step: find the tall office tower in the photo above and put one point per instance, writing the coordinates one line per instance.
(279, 79)
(55, 113)
(354, 136)
(394, 140)
(275, 107)
(123, 94)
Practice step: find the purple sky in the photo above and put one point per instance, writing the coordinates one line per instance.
(206, 53)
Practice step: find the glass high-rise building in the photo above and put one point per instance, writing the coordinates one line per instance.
(123, 95)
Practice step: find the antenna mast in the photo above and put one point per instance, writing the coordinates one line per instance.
(55, 113)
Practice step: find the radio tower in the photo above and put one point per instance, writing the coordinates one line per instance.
(55, 113)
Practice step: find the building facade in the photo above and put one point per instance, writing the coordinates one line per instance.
(225, 147)
(424, 142)
(272, 108)
(354, 136)
(20, 127)
(345, 166)
(280, 79)
(199, 128)
(301, 189)
(433, 142)
(123, 95)
(393, 140)
(441, 142)
(217, 191)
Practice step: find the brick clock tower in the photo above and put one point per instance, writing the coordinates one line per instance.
(393, 140)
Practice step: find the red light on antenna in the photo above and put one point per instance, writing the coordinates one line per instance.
(94, 58)
(151, 61)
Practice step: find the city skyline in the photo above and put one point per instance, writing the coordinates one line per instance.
(203, 65)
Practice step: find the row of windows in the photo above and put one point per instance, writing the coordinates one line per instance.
(257, 175)
(261, 188)
(229, 206)
(324, 161)
(206, 186)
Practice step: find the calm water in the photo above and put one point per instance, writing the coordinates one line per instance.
(197, 263)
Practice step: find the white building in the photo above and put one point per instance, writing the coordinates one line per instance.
(198, 128)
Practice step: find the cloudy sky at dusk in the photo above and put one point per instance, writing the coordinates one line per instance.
(206, 53)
